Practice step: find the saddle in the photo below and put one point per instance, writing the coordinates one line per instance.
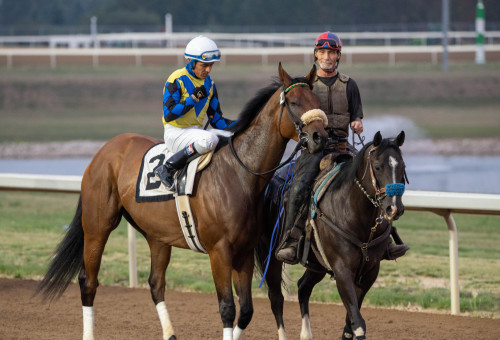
(149, 189)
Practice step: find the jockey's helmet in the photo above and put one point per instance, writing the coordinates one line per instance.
(202, 49)
(328, 40)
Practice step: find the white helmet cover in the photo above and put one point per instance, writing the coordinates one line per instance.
(202, 49)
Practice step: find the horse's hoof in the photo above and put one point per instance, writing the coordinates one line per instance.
(173, 337)
(346, 336)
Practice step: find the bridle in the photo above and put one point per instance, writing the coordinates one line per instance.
(393, 189)
(297, 122)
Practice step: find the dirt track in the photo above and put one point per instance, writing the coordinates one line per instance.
(124, 313)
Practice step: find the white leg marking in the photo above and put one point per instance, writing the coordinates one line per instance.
(227, 334)
(237, 333)
(88, 323)
(305, 332)
(281, 333)
(166, 325)
(359, 331)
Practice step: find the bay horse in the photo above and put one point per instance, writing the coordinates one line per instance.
(351, 225)
(226, 205)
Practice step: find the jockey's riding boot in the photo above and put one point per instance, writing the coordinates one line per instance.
(288, 249)
(307, 168)
(397, 249)
(177, 161)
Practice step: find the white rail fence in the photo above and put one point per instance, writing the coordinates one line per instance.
(441, 203)
(53, 57)
(173, 39)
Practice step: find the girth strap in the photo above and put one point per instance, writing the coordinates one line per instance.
(364, 246)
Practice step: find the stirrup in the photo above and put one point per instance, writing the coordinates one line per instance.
(163, 174)
(395, 251)
(288, 252)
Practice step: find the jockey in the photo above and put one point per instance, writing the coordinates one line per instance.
(189, 95)
(339, 98)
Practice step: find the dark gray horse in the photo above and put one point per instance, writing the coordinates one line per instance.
(349, 227)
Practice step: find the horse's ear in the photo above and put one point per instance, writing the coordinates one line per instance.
(400, 139)
(377, 139)
(312, 74)
(284, 77)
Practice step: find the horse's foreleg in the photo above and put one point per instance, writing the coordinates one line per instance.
(349, 296)
(305, 286)
(242, 278)
(160, 258)
(368, 280)
(221, 263)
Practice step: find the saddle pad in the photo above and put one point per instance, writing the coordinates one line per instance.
(149, 187)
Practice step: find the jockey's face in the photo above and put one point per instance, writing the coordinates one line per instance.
(327, 59)
(201, 70)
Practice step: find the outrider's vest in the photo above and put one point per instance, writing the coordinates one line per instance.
(333, 100)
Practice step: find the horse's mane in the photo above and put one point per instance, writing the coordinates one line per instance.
(348, 171)
(255, 105)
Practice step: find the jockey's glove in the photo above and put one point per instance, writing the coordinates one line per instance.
(200, 92)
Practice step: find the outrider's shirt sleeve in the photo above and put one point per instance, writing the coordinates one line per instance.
(354, 100)
(214, 113)
(173, 108)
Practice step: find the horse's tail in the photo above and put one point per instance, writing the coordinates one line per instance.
(67, 262)
(261, 251)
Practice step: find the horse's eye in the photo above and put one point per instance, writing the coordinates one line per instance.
(377, 167)
(293, 103)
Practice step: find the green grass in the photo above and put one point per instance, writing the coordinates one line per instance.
(32, 224)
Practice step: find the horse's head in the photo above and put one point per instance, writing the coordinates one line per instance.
(385, 169)
(302, 118)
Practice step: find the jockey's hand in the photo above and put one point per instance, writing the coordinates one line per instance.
(357, 126)
(200, 92)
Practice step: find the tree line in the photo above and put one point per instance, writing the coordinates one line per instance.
(290, 13)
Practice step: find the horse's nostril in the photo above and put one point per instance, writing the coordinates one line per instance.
(392, 210)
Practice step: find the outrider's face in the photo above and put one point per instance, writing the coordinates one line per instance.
(201, 70)
(327, 58)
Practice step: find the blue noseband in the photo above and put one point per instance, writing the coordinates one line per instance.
(396, 189)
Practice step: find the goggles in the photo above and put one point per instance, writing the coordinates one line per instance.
(205, 57)
(327, 43)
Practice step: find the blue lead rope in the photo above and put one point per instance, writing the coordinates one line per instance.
(274, 235)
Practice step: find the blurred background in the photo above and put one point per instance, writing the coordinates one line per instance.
(87, 70)
(75, 73)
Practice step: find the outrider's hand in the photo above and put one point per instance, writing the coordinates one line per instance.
(357, 126)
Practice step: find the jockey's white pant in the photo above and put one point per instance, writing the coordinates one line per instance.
(177, 138)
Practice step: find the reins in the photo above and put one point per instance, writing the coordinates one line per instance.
(231, 146)
(298, 126)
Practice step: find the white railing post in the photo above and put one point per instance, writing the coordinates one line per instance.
(132, 257)
(453, 247)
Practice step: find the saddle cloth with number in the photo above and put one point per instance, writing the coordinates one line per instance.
(149, 187)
